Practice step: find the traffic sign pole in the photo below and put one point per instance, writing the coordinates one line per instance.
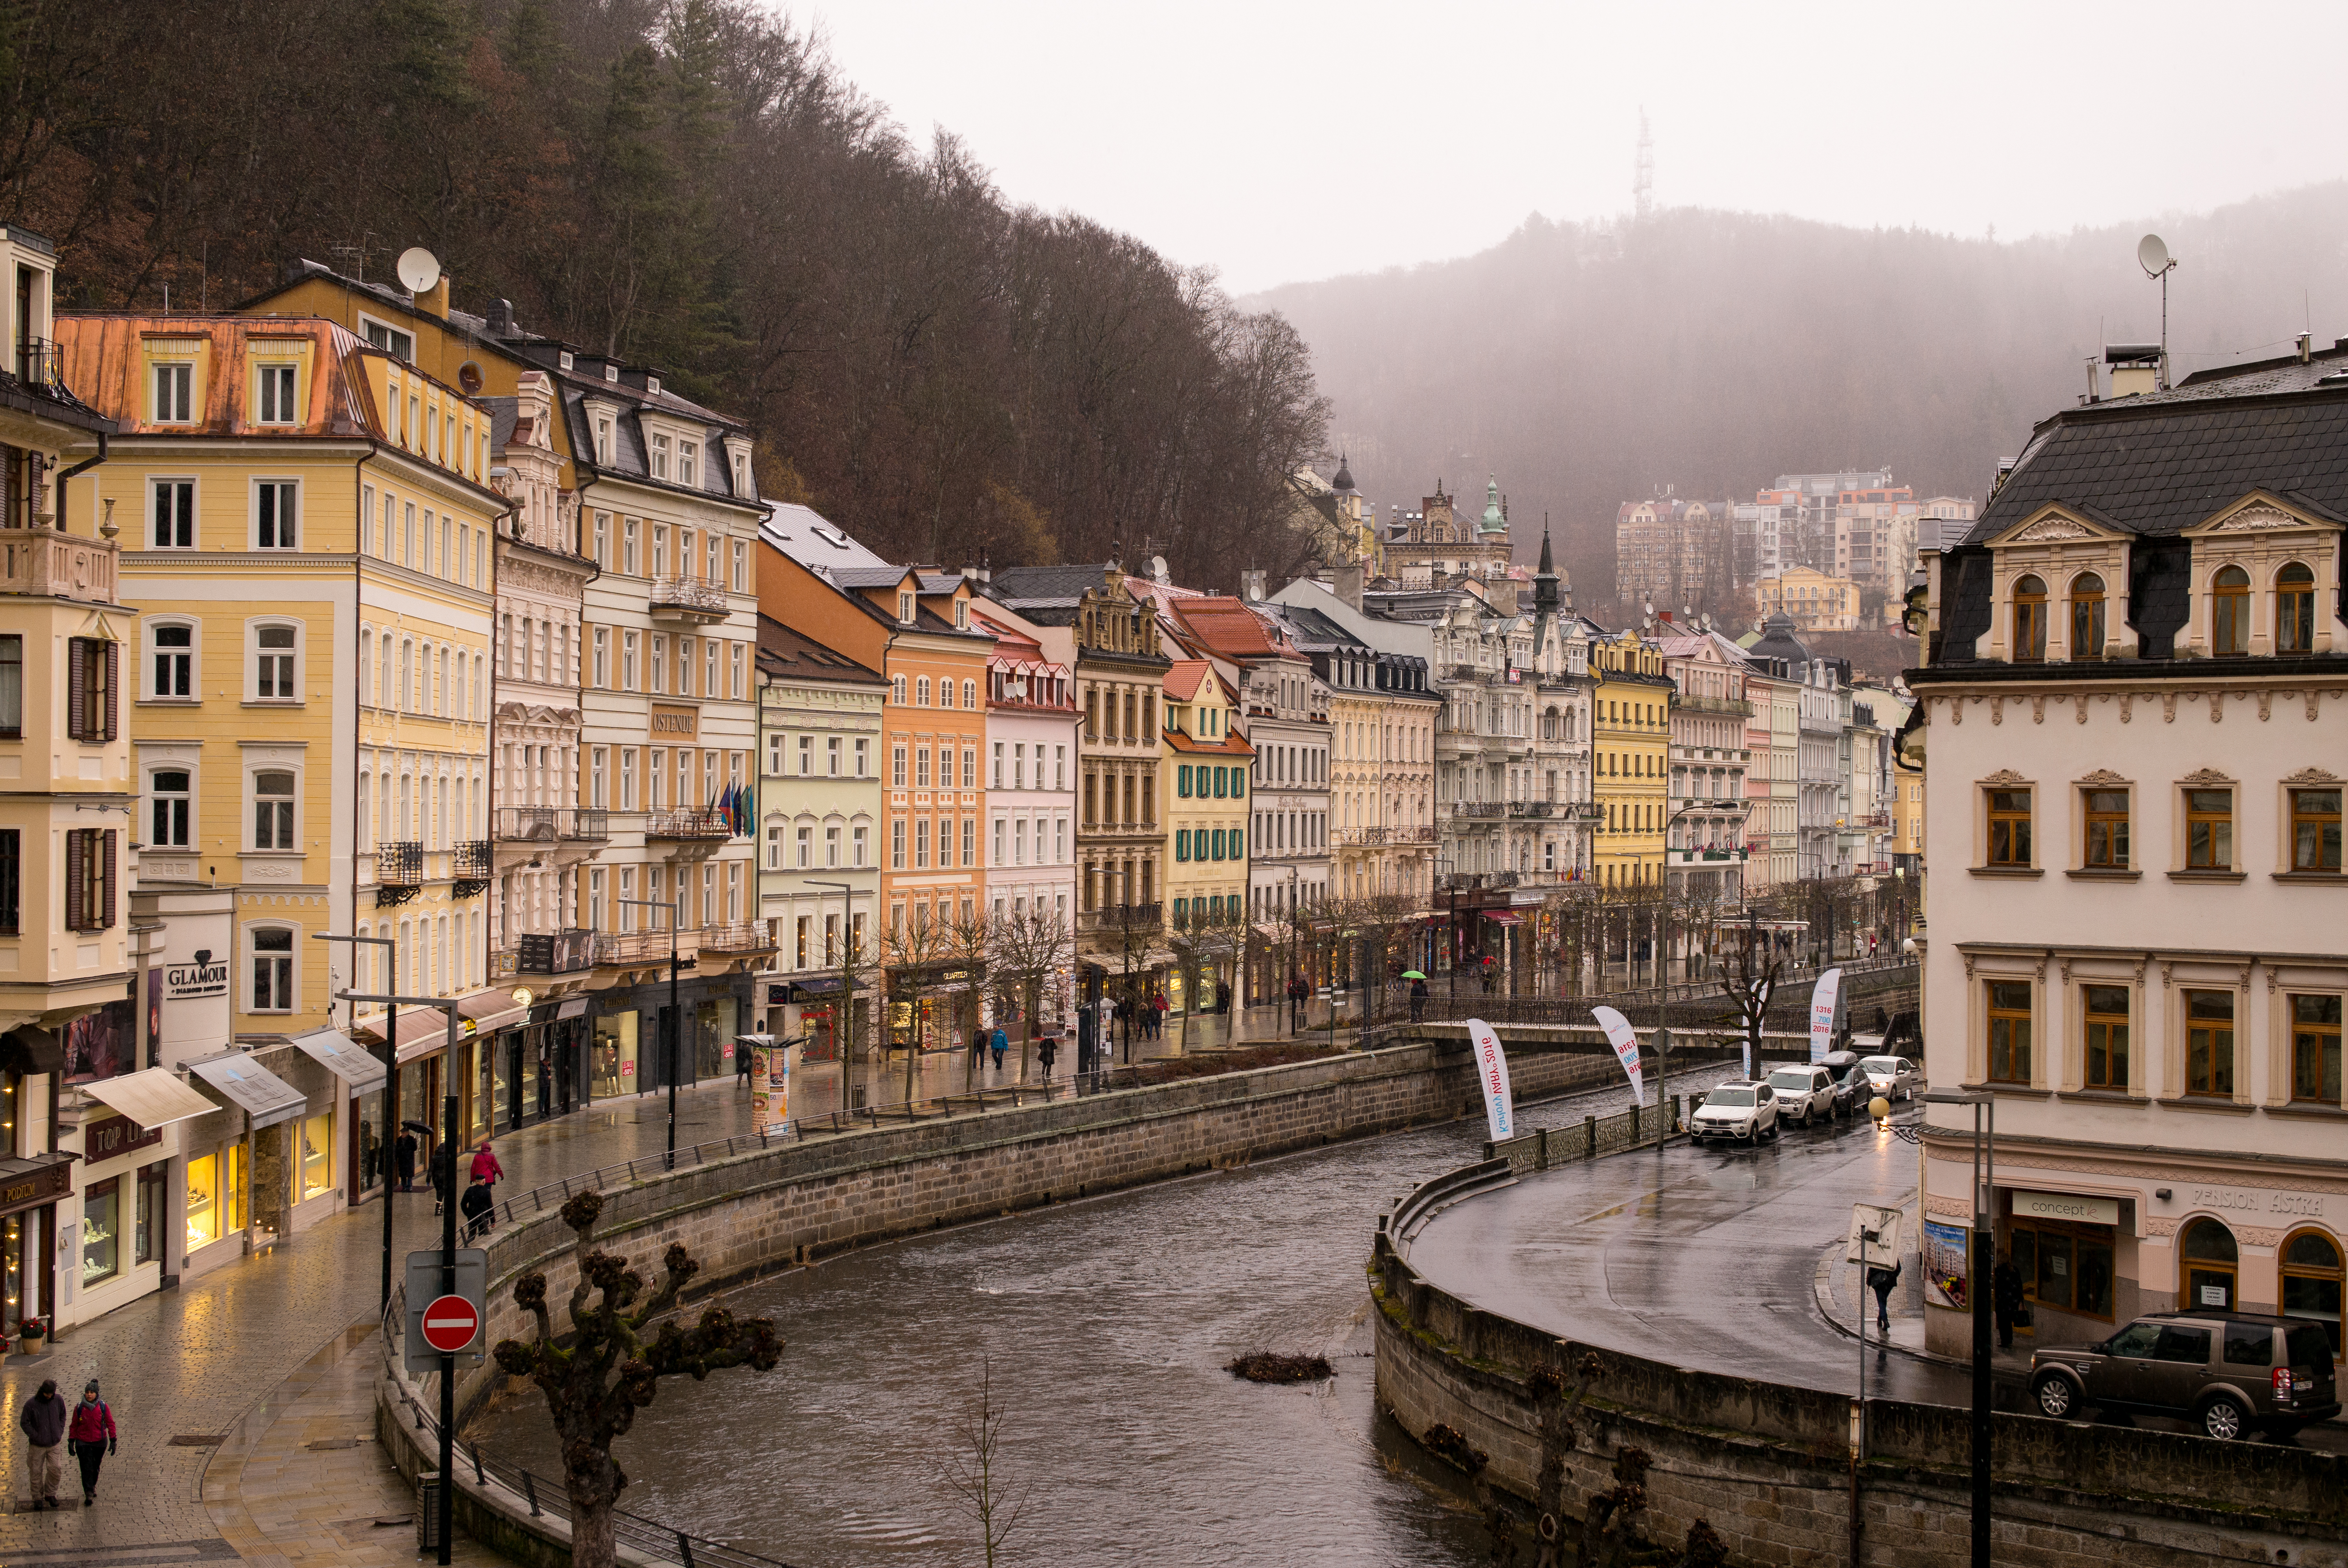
(449, 1288)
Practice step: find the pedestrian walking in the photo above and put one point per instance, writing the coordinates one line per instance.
(1158, 1009)
(403, 1159)
(1045, 1051)
(93, 1437)
(997, 1044)
(977, 1048)
(1418, 1001)
(2005, 1298)
(444, 1175)
(486, 1169)
(478, 1207)
(43, 1421)
(1880, 1281)
(742, 1062)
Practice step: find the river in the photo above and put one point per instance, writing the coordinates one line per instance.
(1106, 1324)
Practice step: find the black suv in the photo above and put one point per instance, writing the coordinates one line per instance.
(1851, 1092)
(2227, 1372)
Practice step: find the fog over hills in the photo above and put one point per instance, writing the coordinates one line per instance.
(1585, 363)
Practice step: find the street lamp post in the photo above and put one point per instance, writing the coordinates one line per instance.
(844, 1027)
(390, 1086)
(448, 1256)
(1977, 1287)
(676, 1030)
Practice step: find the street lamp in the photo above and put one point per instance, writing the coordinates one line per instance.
(844, 1026)
(447, 1247)
(676, 1018)
(390, 1086)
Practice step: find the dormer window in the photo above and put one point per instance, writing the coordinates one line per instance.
(687, 463)
(611, 372)
(651, 384)
(2086, 616)
(274, 395)
(659, 456)
(2029, 619)
(175, 393)
(962, 615)
(742, 474)
(2295, 610)
(565, 359)
(2229, 613)
(603, 442)
(905, 608)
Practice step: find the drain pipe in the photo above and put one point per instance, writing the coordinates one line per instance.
(81, 468)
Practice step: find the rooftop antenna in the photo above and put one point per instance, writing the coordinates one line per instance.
(1643, 174)
(2153, 256)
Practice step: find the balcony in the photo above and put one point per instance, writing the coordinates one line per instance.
(694, 825)
(1732, 706)
(1361, 835)
(688, 598)
(1115, 919)
(398, 871)
(619, 948)
(1531, 807)
(551, 824)
(1412, 836)
(742, 937)
(468, 864)
(1482, 810)
(50, 565)
(1582, 811)
(1501, 880)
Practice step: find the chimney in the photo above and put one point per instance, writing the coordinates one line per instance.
(1251, 587)
(2306, 348)
(1349, 585)
(500, 320)
(434, 301)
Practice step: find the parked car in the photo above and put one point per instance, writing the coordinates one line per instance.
(1852, 1091)
(2227, 1372)
(1743, 1109)
(1802, 1093)
(1893, 1077)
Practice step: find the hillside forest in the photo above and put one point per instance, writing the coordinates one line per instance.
(691, 184)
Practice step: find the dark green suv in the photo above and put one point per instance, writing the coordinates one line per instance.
(2227, 1372)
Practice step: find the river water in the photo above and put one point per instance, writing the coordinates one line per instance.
(1106, 1325)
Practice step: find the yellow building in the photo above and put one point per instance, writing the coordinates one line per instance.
(1630, 733)
(308, 525)
(1817, 601)
(1203, 781)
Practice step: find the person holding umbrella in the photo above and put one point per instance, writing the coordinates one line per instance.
(403, 1156)
(1418, 995)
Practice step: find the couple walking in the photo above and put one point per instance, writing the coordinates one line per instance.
(48, 1424)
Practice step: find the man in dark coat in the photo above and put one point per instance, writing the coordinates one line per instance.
(2005, 1298)
(403, 1159)
(43, 1422)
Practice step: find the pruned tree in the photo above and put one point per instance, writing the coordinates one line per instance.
(919, 965)
(1211, 945)
(1031, 950)
(1379, 924)
(1749, 979)
(608, 1364)
(977, 1467)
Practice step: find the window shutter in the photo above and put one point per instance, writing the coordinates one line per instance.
(77, 691)
(77, 918)
(106, 875)
(111, 717)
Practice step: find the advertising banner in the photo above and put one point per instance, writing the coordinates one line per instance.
(1822, 1014)
(1945, 1265)
(1492, 1074)
(1625, 1041)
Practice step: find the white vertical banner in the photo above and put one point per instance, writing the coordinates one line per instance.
(1492, 1075)
(1822, 1014)
(1625, 1041)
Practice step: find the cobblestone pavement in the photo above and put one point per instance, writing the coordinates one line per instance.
(212, 1359)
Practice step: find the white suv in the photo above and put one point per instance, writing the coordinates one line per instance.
(1743, 1109)
(1802, 1093)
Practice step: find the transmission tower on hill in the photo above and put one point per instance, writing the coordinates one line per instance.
(1642, 175)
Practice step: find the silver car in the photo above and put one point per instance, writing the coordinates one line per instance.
(1744, 1109)
(1802, 1093)
(1892, 1077)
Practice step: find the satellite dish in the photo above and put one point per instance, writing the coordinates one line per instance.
(2151, 254)
(468, 376)
(419, 269)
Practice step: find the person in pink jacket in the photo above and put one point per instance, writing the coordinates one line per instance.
(93, 1437)
(486, 1169)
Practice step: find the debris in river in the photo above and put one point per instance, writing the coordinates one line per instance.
(1266, 1367)
(1450, 1444)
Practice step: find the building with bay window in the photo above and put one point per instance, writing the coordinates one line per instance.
(2135, 705)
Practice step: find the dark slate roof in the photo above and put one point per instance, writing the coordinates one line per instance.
(1019, 584)
(1777, 641)
(790, 655)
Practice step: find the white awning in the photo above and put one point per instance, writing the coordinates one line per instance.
(346, 1058)
(155, 1098)
(251, 1086)
(573, 1007)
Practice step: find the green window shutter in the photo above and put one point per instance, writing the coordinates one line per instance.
(1239, 844)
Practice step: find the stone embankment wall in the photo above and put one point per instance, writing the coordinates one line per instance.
(1769, 1466)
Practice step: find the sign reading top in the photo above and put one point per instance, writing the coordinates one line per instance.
(675, 723)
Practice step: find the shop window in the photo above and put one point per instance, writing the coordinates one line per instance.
(2294, 610)
(2009, 828)
(2029, 619)
(205, 1209)
(102, 1243)
(2209, 830)
(2315, 830)
(2315, 1049)
(2108, 829)
(317, 1173)
(2207, 1259)
(2210, 1043)
(2009, 1032)
(2311, 1281)
(148, 1241)
(2066, 1268)
(2107, 1038)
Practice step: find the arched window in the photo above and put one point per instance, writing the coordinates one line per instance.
(273, 811)
(2229, 612)
(2311, 1282)
(2086, 616)
(2295, 613)
(2029, 619)
(2207, 1262)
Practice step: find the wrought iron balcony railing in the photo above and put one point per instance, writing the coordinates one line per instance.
(399, 862)
(687, 596)
(695, 825)
(547, 823)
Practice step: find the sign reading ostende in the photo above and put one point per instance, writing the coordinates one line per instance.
(675, 723)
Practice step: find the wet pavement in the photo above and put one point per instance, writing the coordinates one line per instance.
(1106, 1325)
(1700, 1257)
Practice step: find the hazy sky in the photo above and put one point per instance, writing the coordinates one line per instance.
(1287, 140)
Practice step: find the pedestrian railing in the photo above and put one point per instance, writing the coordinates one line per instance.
(1545, 1146)
(545, 1497)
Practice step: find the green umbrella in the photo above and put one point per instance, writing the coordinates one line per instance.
(1412, 975)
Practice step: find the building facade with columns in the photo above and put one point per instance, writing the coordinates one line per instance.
(2135, 707)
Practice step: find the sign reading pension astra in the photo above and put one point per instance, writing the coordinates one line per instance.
(675, 723)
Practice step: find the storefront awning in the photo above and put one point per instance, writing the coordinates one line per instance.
(1503, 918)
(761, 1041)
(267, 1098)
(35, 1181)
(573, 1007)
(346, 1058)
(155, 1098)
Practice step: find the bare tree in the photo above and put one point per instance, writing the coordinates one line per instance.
(920, 967)
(1380, 926)
(1211, 945)
(608, 1365)
(1749, 978)
(1031, 950)
(976, 1469)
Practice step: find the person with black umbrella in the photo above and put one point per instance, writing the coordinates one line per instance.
(444, 1176)
(403, 1156)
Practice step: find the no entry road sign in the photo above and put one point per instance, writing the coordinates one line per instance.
(451, 1322)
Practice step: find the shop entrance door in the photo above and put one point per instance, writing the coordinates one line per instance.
(2209, 1260)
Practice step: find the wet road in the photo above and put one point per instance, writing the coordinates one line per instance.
(1702, 1258)
(1106, 1325)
